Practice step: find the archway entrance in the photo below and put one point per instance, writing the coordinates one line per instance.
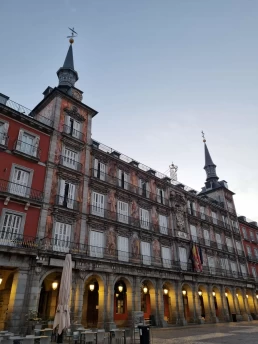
(93, 304)
(202, 308)
(6, 279)
(166, 303)
(145, 302)
(186, 295)
(49, 297)
(120, 302)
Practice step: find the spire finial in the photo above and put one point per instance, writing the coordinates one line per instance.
(74, 34)
(203, 136)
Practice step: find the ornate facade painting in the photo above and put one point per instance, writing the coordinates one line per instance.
(112, 200)
(135, 247)
(153, 190)
(134, 180)
(180, 219)
(154, 218)
(156, 249)
(111, 241)
(135, 210)
(112, 172)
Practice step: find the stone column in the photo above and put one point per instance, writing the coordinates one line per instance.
(160, 304)
(246, 305)
(210, 305)
(180, 305)
(15, 315)
(137, 294)
(196, 304)
(78, 301)
(110, 302)
(224, 304)
(236, 303)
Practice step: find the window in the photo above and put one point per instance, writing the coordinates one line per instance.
(96, 244)
(66, 195)
(144, 188)
(252, 235)
(214, 217)
(11, 228)
(257, 237)
(225, 264)
(202, 211)
(218, 239)
(123, 179)
(254, 273)
(183, 258)
(249, 251)
(229, 244)
(225, 220)
(144, 218)
(20, 180)
(244, 232)
(73, 127)
(99, 169)
(166, 257)
(163, 224)
(160, 196)
(233, 268)
(3, 132)
(234, 224)
(193, 233)
(122, 210)
(27, 143)
(146, 255)
(256, 253)
(211, 265)
(70, 158)
(206, 237)
(62, 237)
(239, 247)
(123, 249)
(243, 270)
(191, 208)
(97, 207)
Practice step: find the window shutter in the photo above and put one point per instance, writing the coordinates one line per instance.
(144, 216)
(183, 258)
(76, 129)
(163, 224)
(4, 132)
(96, 244)
(102, 171)
(96, 165)
(19, 141)
(166, 256)
(119, 178)
(20, 182)
(211, 265)
(68, 120)
(71, 192)
(218, 239)
(159, 195)
(206, 237)
(62, 191)
(123, 249)
(229, 244)
(145, 249)
(193, 233)
(122, 211)
(126, 178)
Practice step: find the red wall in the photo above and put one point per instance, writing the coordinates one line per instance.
(251, 244)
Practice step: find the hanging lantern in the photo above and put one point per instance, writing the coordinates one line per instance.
(165, 290)
(91, 286)
(200, 293)
(213, 293)
(145, 290)
(184, 292)
(120, 288)
(226, 294)
(54, 285)
(1, 279)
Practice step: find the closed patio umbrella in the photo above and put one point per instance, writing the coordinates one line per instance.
(62, 317)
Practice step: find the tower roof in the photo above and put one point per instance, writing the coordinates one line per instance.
(68, 63)
(208, 159)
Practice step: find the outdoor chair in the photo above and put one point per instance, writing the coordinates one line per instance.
(102, 337)
(119, 337)
(76, 336)
(89, 338)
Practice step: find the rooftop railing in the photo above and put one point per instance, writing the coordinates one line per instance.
(130, 187)
(27, 112)
(19, 190)
(209, 219)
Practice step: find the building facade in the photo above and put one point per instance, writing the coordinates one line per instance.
(140, 242)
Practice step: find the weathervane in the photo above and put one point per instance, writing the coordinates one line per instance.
(204, 140)
(74, 34)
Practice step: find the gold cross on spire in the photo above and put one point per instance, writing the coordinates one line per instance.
(203, 136)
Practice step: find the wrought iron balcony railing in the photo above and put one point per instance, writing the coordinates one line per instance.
(19, 190)
(209, 219)
(212, 244)
(241, 253)
(130, 220)
(73, 132)
(73, 164)
(20, 241)
(128, 186)
(232, 210)
(4, 138)
(25, 111)
(66, 202)
(27, 149)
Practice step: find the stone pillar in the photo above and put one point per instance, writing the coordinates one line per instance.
(236, 303)
(180, 306)
(255, 300)
(246, 305)
(15, 315)
(78, 301)
(130, 305)
(160, 304)
(209, 301)
(137, 294)
(173, 305)
(110, 302)
(224, 304)
(196, 304)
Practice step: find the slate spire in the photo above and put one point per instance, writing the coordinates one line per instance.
(209, 167)
(67, 75)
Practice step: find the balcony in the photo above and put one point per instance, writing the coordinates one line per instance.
(20, 241)
(26, 150)
(4, 138)
(70, 164)
(67, 203)
(241, 253)
(252, 258)
(232, 210)
(73, 133)
(128, 220)
(129, 187)
(212, 244)
(20, 191)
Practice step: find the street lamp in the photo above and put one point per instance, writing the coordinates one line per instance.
(213, 293)
(120, 288)
(200, 293)
(91, 286)
(165, 290)
(184, 292)
(54, 285)
(145, 290)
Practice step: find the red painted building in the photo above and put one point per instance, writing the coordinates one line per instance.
(24, 147)
(249, 233)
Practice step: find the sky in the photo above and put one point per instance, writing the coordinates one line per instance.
(157, 71)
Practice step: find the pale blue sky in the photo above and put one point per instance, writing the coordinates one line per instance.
(158, 72)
